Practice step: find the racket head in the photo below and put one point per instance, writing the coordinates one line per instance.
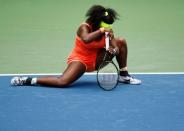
(107, 75)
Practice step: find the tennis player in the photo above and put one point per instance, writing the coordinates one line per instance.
(88, 51)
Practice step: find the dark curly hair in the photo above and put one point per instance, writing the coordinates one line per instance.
(97, 13)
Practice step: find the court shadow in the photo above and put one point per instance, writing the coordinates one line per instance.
(84, 84)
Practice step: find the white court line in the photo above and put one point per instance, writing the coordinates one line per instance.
(94, 73)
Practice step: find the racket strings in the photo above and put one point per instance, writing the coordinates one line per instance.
(108, 76)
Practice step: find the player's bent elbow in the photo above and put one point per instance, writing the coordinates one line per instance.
(85, 40)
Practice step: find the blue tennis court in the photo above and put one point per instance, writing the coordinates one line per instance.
(156, 105)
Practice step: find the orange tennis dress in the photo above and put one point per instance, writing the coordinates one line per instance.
(86, 53)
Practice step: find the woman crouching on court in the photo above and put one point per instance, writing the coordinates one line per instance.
(88, 52)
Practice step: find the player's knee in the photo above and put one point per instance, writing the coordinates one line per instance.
(62, 82)
(121, 41)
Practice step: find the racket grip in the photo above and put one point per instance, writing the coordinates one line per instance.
(106, 40)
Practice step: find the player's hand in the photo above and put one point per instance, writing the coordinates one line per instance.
(111, 34)
(114, 51)
(110, 31)
(107, 29)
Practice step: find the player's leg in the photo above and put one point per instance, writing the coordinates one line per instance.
(74, 70)
(121, 58)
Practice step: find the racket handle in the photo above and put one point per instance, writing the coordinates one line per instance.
(106, 40)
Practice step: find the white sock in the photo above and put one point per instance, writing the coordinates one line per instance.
(34, 81)
(124, 69)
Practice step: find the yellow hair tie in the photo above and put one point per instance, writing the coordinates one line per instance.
(106, 13)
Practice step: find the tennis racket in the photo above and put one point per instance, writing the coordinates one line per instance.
(107, 73)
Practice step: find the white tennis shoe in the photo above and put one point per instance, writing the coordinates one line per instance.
(18, 81)
(129, 80)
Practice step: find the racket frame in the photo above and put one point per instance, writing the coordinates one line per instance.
(101, 66)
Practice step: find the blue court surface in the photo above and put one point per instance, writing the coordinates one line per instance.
(156, 105)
